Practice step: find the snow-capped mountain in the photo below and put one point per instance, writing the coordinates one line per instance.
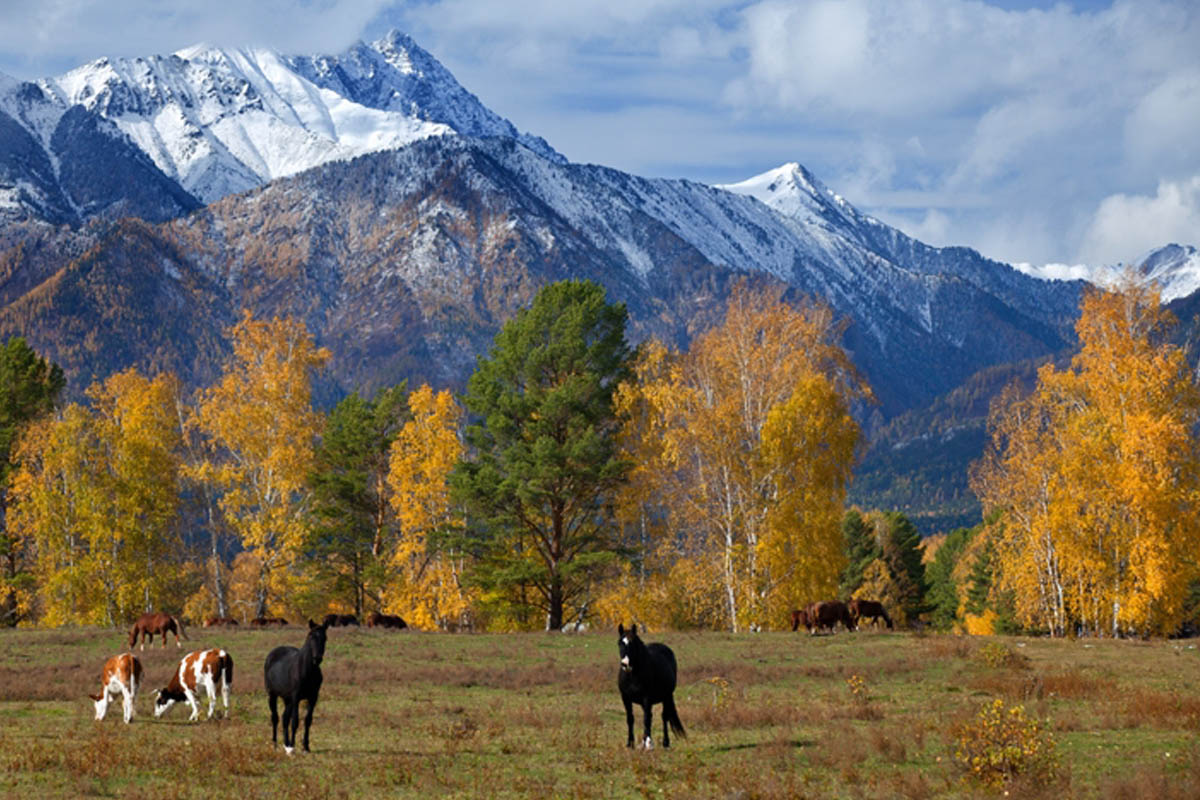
(220, 121)
(1174, 268)
(63, 164)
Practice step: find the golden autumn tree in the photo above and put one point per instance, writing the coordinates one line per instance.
(98, 494)
(753, 445)
(1098, 476)
(260, 420)
(428, 588)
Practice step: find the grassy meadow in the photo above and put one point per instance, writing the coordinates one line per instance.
(402, 714)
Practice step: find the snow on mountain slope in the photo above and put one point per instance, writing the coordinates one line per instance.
(1174, 268)
(223, 121)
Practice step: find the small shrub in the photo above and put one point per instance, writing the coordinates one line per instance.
(858, 688)
(995, 654)
(1002, 744)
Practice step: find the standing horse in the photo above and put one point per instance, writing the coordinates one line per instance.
(869, 609)
(153, 623)
(295, 675)
(647, 677)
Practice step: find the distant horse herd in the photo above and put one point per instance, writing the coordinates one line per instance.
(646, 677)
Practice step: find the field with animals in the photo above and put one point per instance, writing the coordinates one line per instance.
(869, 714)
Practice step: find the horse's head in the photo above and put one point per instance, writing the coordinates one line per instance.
(315, 643)
(163, 700)
(630, 647)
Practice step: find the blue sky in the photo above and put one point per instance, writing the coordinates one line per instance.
(1039, 132)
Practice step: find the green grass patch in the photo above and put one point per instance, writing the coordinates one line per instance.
(406, 714)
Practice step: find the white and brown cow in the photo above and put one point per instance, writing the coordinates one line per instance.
(209, 669)
(122, 675)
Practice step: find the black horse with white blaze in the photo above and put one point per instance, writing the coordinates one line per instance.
(295, 675)
(647, 677)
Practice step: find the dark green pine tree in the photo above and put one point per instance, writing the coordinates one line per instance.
(943, 591)
(860, 548)
(350, 511)
(979, 582)
(902, 552)
(29, 388)
(543, 461)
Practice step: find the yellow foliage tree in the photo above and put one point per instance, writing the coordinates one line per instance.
(429, 591)
(746, 443)
(1098, 475)
(260, 419)
(98, 494)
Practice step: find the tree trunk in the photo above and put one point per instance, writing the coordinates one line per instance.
(554, 619)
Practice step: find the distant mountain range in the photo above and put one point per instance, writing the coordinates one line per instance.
(144, 201)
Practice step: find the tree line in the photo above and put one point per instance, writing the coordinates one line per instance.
(580, 478)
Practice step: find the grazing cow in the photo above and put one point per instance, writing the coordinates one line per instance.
(378, 620)
(799, 617)
(203, 668)
(646, 677)
(153, 623)
(224, 622)
(122, 674)
(827, 615)
(869, 609)
(295, 675)
(339, 620)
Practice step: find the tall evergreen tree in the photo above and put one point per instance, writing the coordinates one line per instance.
(861, 550)
(351, 514)
(29, 388)
(943, 591)
(544, 461)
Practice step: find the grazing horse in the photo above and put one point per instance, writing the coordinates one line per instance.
(378, 620)
(122, 675)
(295, 675)
(339, 620)
(799, 617)
(207, 669)
(827, 615)
(647, 676)
(224, 622)
(869, 609)
(264, 622)
(156, 622)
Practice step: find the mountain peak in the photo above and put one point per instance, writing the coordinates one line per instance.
(223, 120)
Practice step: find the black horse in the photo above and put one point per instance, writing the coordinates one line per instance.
(647, 677)
(295, 675)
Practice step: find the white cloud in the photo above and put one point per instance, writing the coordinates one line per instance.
(1126, 226)
(45, 37)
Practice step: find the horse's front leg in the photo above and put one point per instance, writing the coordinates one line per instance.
(312, 703)
(289, 732)
(295, 721)
(647, 739)
(628, 718)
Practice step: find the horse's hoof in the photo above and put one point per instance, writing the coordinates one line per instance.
(649, 743)
(287, 749)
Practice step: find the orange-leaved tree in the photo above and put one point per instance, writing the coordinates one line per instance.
(260, 419)
(751, 445)
(428, 586)
(1098, 476)
(98, 494)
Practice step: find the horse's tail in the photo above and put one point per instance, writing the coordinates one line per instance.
(178, 627)
(228, 670)
(671, 717)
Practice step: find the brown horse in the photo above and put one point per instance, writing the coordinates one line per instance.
(827, 615)
(799, 617)
(869, 609)
(213, 622)
(378, 620)
(156, 622)
(263, 622)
